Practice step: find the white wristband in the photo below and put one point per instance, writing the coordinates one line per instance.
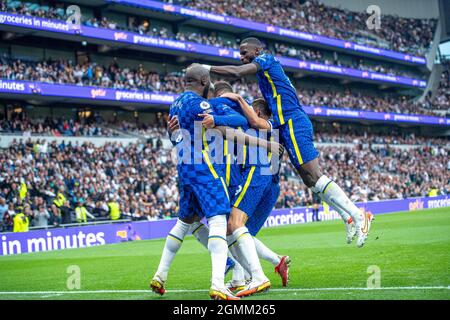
(207, 67)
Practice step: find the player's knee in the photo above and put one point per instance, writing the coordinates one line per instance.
(188, 220)
(232, 225)
(310, 173)
(236, 220)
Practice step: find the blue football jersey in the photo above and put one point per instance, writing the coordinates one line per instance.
(226, 102)
(197, 166)
(233, 165)
(277, 89)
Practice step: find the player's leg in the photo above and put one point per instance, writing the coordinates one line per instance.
(244, 244)
(244, 206)
(239, 279)
(256, 222)
(214, 202)
(297, 137)
(332, 194)
(201, 233)
(174, 240)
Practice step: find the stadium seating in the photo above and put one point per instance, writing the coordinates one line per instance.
(400, 34)
(114, 76)
(210, 38)
(141, 176)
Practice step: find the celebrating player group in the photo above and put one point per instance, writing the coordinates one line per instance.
(235, 186)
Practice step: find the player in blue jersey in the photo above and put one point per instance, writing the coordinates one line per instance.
(202, 188)
(296, 131)
(255, 196)
(257, 203)
(203, 192)
(241, 243)
(264, 208)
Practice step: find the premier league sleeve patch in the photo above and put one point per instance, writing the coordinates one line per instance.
(205, 105)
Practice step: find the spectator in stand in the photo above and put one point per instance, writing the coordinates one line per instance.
(41, 217)
(20, 221)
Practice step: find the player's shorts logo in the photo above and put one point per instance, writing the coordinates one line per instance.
(238, 190)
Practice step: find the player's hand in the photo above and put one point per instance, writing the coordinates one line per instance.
(173, 124)
(276, 148)
(231, 96)
(208, 120)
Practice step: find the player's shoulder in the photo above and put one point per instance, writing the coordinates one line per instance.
(219, 101)
(265, 57)
(192, 99)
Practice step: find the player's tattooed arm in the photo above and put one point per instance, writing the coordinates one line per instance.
(231, 134)
(254, 121)
(234, 71)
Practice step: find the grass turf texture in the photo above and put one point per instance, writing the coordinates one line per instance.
(412, 249)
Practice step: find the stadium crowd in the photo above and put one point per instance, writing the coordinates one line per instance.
(144, 27)
(114, 181)
(441, 98)
(90, 74)
(50, 126)
(115, 76)
(400, 34)
(48, 181)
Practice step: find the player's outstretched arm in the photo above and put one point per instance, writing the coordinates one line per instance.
(233, 71)
(231, 118)
(254, 121)
(230, 133)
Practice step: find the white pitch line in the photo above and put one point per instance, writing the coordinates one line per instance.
(201, 290)
(52, 295)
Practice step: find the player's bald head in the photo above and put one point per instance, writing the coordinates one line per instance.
(198, 79)
(196, 73)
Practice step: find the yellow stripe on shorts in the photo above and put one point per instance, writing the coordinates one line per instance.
(244, 148)
(228, 169)
(225, 188)
(294, 142)
(210, 166)
(244, 190)
(205, 143)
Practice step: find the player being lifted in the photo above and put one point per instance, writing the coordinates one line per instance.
(296, 131)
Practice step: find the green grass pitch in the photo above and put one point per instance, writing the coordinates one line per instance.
(411, 249)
